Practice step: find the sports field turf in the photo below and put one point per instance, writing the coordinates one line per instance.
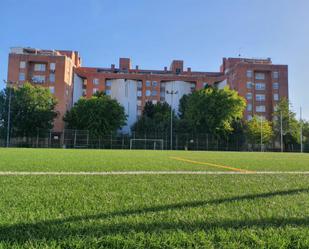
(153, 211)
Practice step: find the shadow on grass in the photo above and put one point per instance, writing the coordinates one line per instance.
(87, 225)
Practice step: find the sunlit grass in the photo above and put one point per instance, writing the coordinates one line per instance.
(125, 160)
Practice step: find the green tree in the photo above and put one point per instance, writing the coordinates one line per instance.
(306, 131)
(211, 110)
(155, 118)
(290, 125)
(100, 115)
(32, 108)
(256, 127)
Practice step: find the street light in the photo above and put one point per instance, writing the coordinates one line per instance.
(261, 118)
(172, 92)
(8, 83)
(301, 132)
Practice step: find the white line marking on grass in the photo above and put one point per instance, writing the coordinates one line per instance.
(24, 173)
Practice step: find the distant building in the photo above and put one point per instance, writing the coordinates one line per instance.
(258, 80)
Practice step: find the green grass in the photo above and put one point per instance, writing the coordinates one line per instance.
(231, 211)
(152, 211)
(122, 160)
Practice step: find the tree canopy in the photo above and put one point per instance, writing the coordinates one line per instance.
(290, 125)
(32, 108)
(257, 127)
(100, 114)
(155, 118)
(211, 110)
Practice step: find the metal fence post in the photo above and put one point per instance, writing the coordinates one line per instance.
(37, 138)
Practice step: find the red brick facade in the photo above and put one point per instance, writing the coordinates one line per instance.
(265, 81)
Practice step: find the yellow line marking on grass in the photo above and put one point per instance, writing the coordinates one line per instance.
(212, 165)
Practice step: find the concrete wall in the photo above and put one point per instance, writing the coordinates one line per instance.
(182, 87)
(125, 92)
(78, 88)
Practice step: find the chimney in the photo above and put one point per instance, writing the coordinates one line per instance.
(177, 66)
(113, 66)
(136, 67)
(124, 63)
(165, 69)
(189, 69)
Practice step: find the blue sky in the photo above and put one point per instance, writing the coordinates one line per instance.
(153, 33)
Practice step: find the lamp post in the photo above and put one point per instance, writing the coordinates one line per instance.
(301, 132)
(8, 83)
(172, 92)
(261, 118)
(281, 132)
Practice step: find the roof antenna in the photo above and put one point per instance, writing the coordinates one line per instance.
(239, 54)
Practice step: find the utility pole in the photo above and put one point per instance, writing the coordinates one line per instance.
(281, 132)
(8, 83)
(261, 133)
(172, 92)
(301, 132)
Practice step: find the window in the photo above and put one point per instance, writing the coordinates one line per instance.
(139, 112)
(260, 86)
(139, 103)
(38, 78)
(21, 76)
(154, 93)
(67, 92)
(148, 92)
(192, 86)
(276, 97)
(95, 90)
(249, 117)
(260, 76)
(249, 96)
(52, 89)
(95, 81)
(154, 102)
(275, 75)
(249, 85)
(108, 92)
(275, 85)
(162, 85)
(39, 67)
(108, 83)
(260, 97)
(52, 66)
(139, 93)
(249, 107)
(249, 73)
(148, 83)
(154, 84)
(260, 108)
(22, 64)
(162, 93)
(205, 84)
(52, 77)
(139, 84)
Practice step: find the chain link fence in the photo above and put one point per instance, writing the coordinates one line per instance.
(82, 139)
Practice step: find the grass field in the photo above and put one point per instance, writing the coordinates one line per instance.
(153, 211)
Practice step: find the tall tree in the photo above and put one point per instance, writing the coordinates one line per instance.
(155, 118)
(32, 108)
(290, 125)
(100, 115)
(211, 110)
(258, 129)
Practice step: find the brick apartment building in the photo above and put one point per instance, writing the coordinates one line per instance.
(259, 81)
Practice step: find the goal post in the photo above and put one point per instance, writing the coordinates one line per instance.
(146, 144)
